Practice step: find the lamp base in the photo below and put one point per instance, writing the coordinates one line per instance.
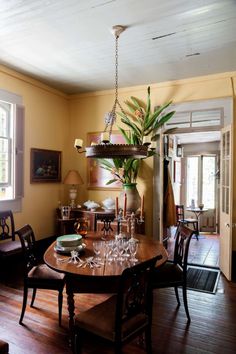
(73, 195)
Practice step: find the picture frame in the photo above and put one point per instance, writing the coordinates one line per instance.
(45, 166)
(97, 177)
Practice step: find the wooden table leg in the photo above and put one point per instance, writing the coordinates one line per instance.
(71, 310)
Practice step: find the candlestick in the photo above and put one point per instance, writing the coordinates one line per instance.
(125, 205)
(117, 207)
(142, 207)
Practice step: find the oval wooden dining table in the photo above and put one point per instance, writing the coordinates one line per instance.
(98, 280)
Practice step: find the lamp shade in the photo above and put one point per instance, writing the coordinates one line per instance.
(73, 177)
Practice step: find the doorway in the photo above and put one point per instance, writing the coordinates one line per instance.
(206, 116)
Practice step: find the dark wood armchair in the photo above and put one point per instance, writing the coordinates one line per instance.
(174, 274)
(124, 316)
(38, 276)
(9, 246)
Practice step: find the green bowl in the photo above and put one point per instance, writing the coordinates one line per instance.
(73, 240)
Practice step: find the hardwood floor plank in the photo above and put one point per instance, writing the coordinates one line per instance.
(211, 331)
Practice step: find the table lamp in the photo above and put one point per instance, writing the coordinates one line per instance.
(73, 178)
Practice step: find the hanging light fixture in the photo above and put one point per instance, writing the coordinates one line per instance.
(105, 148)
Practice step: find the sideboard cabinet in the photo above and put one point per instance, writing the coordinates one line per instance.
(94, 221)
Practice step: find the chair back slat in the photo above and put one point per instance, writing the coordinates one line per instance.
(179, 212)
(7, 225)
(182, 242)
(134, 296)
(27, 239)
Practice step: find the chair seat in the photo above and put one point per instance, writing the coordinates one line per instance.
(8, 248)
(167, 275)
(97, 320)
(42, 271)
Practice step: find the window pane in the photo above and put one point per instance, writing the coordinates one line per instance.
(192, 180)
(208, 181)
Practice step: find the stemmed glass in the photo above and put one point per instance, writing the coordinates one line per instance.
(97, 246)
(133, 248)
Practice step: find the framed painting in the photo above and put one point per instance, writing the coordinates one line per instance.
(45, 166)
(97, 177)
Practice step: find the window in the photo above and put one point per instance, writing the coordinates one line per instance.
(11, 151)
(200, 180)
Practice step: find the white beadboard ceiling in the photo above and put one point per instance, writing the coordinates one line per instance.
(68, 45)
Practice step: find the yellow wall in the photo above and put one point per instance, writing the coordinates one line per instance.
(46, 127)
(54, 120)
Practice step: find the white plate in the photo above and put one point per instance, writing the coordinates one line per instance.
(66, 250)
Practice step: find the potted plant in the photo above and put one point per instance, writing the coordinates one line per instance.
(142, 128)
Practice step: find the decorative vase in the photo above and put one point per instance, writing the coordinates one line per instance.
(132, 195)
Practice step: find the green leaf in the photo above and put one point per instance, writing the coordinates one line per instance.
(153, 117)
(135, 102)
(133, 126)
(123, 132)
(112, 181)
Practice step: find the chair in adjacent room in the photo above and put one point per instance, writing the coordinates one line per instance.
(9, 246)
(174, 274)
(187, 221)
(38, 276)
(123, 316)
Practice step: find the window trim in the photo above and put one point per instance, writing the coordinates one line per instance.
(18, 123)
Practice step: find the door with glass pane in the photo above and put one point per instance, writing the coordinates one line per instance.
(226, 201)
(201, 188)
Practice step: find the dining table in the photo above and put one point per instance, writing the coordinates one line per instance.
(104, 278)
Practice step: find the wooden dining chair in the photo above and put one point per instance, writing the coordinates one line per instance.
(10, 246)
(174, 274)
(123, 316)
(187, 221)
(36, 275)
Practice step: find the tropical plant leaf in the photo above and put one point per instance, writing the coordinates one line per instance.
(111, 181)
(133, 126)
(125, 135)
(153, 117)
(163, 120)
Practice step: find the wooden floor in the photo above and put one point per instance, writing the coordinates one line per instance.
(204, 251)
(212, 330)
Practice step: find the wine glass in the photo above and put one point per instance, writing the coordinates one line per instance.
(97, 246)
(133, 248)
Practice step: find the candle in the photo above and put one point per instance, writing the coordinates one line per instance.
(153, 145)
(78, 143)
(125, 205)
(117, 207)
(147, 140)
(105, 138)
(142, 207)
